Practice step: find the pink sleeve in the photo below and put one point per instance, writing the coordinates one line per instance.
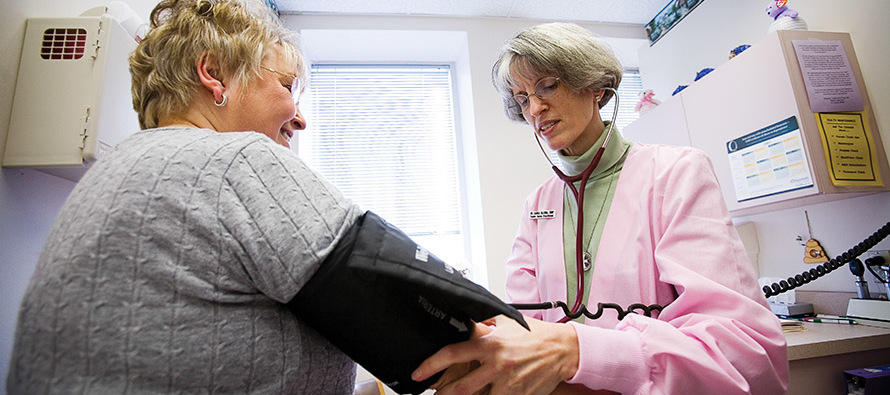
(717, 335)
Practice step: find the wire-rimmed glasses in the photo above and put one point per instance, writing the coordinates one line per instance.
(296, 85)
(545, 88)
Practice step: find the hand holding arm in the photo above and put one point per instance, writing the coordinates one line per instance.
(511, 359)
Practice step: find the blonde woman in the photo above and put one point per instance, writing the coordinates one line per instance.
(169, 267)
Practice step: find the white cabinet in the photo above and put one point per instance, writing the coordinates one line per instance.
(761, 87)
(72, 98)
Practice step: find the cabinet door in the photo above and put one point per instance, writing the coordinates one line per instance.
(665, 124)
(746, 94)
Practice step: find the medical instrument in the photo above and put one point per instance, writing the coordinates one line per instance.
(858, 270)
(883, 275)
(827, 267)
(404, 303)
(583, 260)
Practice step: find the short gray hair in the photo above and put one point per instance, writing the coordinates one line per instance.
(565, 50)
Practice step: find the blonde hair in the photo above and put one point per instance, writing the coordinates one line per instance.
(564, 50)
(238, 34)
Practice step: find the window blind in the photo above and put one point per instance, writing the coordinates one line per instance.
(628, 91)
(384, 135)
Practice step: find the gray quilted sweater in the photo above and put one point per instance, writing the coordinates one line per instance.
(167, 269)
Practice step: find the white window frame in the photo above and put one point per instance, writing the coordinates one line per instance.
(431, 47)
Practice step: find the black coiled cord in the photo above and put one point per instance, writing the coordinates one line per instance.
(827, 267)
(768, 290)
(634, 308)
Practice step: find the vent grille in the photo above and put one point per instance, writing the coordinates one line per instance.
(63, 44)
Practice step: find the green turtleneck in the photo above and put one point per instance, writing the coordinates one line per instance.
(597, 199)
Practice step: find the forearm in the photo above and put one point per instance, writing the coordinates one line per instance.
(578, 389)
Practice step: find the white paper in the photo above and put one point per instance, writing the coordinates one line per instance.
(829, 79)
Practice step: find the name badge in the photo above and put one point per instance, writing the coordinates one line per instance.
(542, 214)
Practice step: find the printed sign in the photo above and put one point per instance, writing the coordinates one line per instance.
(769, 161)
(849, 149)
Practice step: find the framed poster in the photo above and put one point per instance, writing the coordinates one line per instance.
(669, 16)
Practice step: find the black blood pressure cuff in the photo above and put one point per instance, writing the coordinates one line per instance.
(389, 304)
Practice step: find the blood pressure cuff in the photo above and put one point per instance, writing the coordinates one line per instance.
(389, 304)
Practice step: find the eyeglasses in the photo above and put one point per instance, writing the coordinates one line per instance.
(545, 88)
(295, 87)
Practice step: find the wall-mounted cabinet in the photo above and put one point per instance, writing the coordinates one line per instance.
(72, 97)
(770, 150)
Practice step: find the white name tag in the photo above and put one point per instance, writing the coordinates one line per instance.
(542, 214)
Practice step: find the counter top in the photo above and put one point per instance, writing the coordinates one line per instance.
(824, 339)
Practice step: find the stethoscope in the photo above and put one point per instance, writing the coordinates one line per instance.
(582, 263)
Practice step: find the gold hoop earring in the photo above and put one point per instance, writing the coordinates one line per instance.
(223, 102)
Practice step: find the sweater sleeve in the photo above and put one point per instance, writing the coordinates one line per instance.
(717, 335)
(283, 218)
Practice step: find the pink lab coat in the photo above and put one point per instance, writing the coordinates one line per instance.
(668, 239)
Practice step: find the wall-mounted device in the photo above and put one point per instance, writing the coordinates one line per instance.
(72, 99)
(870, 311)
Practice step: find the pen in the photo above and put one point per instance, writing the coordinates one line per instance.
(830, 320)
(836, 317)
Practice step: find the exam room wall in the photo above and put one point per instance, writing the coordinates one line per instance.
(704, 38)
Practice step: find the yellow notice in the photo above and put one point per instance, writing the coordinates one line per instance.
(849, 148)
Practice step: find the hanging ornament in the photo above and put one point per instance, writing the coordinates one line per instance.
(813, 252)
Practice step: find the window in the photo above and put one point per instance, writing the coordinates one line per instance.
(628, 92)
(385, 136)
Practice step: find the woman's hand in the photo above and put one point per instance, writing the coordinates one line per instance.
(511, 360)
(578, 389)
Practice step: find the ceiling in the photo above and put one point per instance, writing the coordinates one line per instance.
(637, 12)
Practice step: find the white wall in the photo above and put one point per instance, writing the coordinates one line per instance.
(704, 39)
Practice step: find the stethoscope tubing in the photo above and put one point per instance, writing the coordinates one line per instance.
(578, 193)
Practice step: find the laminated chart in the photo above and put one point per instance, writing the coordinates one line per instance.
(769, 161)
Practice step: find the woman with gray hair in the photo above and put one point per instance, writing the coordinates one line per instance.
(170, 265)
(621, 226)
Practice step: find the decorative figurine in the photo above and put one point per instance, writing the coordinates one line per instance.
(679, 88)
(778, 9)
(703, 73)
(814, 252)
(737, 50)
(647, 101)
(784, 18)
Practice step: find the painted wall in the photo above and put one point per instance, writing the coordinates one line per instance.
(704, 39)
